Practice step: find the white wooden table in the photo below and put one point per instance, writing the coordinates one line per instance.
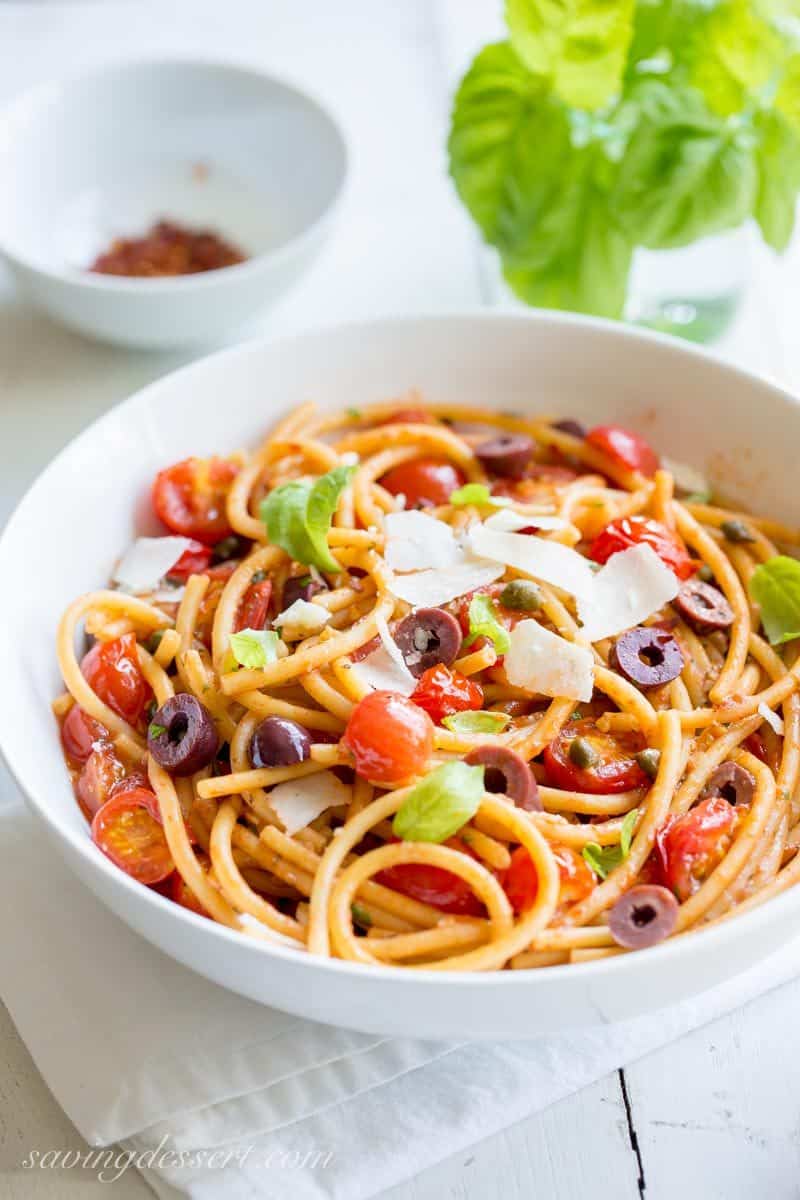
(715, 1116)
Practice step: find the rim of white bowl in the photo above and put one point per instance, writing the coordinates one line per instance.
(163, 285)
(682, 946)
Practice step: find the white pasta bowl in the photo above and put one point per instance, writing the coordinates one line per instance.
(71, 526)
(102, 155)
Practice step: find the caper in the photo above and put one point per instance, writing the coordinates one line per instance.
(521, 596)
(705, 574)
(154, 641)
(736, 531)
(581, 752)
(649, 761)
(230, 547)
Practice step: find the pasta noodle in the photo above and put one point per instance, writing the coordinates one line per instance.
(277, 739)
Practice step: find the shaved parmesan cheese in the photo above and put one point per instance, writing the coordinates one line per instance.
(350, 458)
(168, 595)
(298, 802)
(551, 562)
(773, 720)
(632, 586)
(427, 589)
(509, 521)
(301, 620)
(147, 561)
(687, 478)
(257, 929)
(542, 662)
(415, 541)
(384, 670)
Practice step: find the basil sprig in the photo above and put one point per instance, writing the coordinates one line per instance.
(603, 125)
(440, 804)
(483, 622)
(298, 517)
(603, 859)
(775, 587)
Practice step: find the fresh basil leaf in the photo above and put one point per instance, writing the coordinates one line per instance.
(476, 722)
(578, 46)
(775, 587)
(685, 173)
(438, 806)
(604, 859)
(477, 494)
(778, 178)
(155, 730)
(483, 622)
(298, 516)
(254, 648)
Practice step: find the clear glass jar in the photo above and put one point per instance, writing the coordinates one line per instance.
(693, 292)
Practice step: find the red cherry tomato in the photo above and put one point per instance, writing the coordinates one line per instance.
(80, 733)
(423, 481)
(189, 497)
(755, 743)
(625, 448)
(127, 832)
(643, 531)
(254, 607)
(614, 768)
(408, 416)
(101, 772)
(689, 847)
(112, 671)
(130, 783)
(441, 692)
(521, 882)
(390, 737)
(194, 561)
(436, 886)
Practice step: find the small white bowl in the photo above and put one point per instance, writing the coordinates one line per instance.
(105, 154)
(79, 515)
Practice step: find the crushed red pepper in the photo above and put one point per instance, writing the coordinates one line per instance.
(168, 249)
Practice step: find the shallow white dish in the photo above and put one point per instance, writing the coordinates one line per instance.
(73, 523)
(105, 154)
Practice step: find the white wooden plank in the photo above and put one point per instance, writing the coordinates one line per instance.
(717, 1113)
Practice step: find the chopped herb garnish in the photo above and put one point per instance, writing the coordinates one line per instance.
(604, 859)
(360, 916)
(154, 730)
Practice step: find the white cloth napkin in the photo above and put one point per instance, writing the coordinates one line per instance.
(137, 1049)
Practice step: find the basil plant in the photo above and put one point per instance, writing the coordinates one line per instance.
(603, 125)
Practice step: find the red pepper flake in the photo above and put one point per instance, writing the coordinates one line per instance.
(168, 249)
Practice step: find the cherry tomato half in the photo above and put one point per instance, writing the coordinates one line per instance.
(625, 448)
(689, 847)
(195, 559)
(643, 531)
(112, 671)
(101, 773)
(423, 481)
(521, 882)
(254, 608)
(436, 886)
(613, 767)
(189, 497)
(441, 692)
(182, 894)
(127, 832)
(80, 733)
(390, 737)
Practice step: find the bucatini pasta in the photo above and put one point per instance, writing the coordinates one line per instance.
(420, 685)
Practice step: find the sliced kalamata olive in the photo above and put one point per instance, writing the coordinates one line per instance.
(279, 742)
(573, 428)
(428, 637)
(734, 783)
(643, 916)
(182, 736)
(702, 606)
(301, 587)
(507, 772)
(507, 454)
(648, 656)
